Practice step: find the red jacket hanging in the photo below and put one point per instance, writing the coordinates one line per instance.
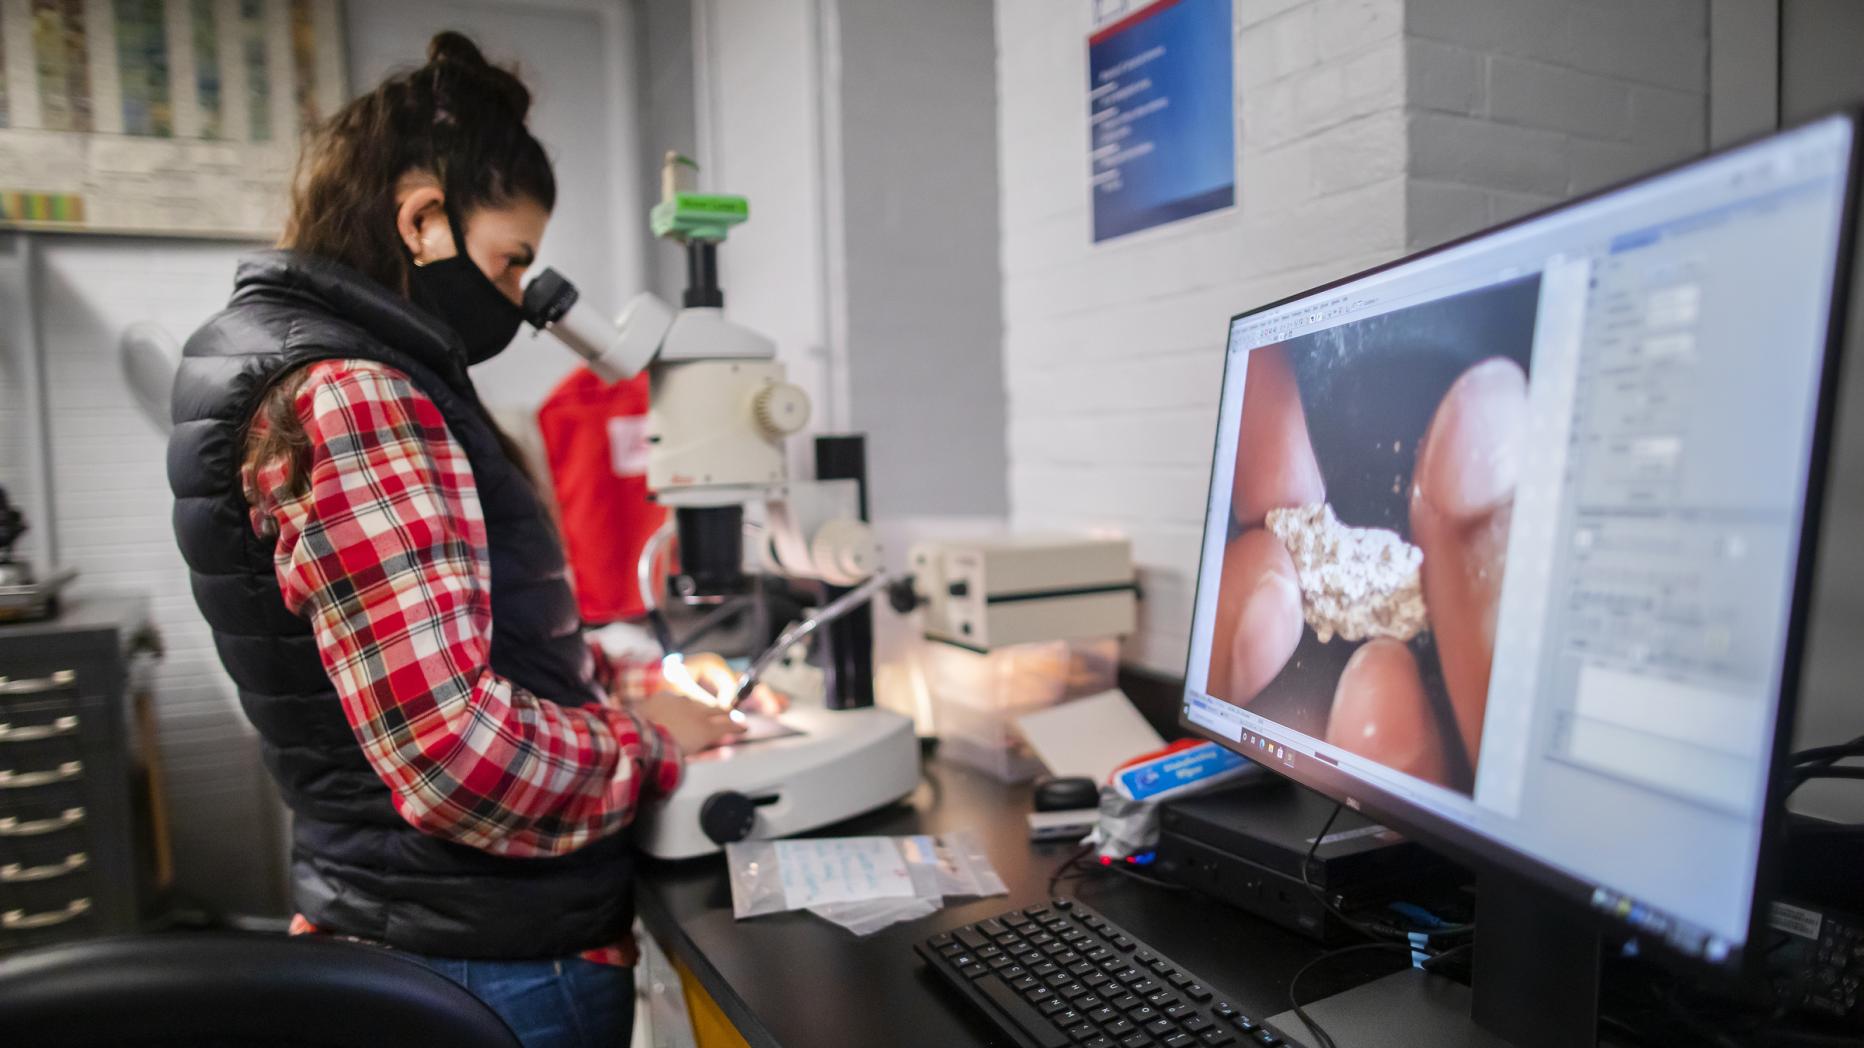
(595, 437)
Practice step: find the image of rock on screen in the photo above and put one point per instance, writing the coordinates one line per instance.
(1369, 520)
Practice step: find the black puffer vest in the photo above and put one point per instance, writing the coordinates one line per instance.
(357, 867)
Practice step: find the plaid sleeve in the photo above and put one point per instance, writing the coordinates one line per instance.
(385, 555)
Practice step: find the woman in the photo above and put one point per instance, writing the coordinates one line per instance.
(385, 585)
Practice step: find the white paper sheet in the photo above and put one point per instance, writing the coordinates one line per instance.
(1089, 736)
(842, 869)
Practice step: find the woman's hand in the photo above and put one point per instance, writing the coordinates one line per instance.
(694, 725)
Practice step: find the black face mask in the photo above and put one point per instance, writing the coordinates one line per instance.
(458, 292)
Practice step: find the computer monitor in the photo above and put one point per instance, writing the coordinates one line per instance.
(1509, 542)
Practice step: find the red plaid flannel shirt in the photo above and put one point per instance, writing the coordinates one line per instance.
(385, 555)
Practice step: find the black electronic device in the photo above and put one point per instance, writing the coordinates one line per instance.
(1510, 545)
(1060, 975)
(1246, 845)
(1069, 793)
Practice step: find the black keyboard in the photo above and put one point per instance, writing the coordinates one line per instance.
(1060, 975)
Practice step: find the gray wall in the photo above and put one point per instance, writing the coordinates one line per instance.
(664, 84)
(924, 302)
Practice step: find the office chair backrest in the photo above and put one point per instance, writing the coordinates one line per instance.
(224, 989)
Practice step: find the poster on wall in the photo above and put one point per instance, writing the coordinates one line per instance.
(1161, 111)
(166, 117)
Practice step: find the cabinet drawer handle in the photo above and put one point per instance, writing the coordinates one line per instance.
(11, 826)
(14, 780)
(14, 873)
(20, 920)
(65, 725)
(37, 685)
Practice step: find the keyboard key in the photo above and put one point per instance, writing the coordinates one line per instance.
(1080, 968)
(1074, 991)
(1112, 964)
(1040, 939)
(1073, 1021)
(1064, 904)
(998, 964)
(1197, 992)
(1035, 911)
(1094, 954)
(1223, 1009)
(1098, 979)
(1025, 982)
(1073, 935)
(1177, 1009)
(1121, 942)
(1180, 980)
(1126, 1002)
(1143, 1014)
(1008, 939)
(1055, 949)
(963, 960)
(1159, 1028)
(1160, 999)
(1178, 1040)
(1162, 967)
(1023, 1016)
(991, 927)
(1196, 1024)
(1052, 1006)
(1267, 1038)
(1043, 969)
(1216, 1036)
(1014, 919)
(1090, 1002)
(1103, 1015)
(973, 971)
(989, 951)
(1058, 979)
(1125, 1029)
(1038, 994)
(1144, 987)
(1012, 973)
(1129, 976)
(971, 938)
(1243, 1023)
(1099, 1040)
(951, 949)
(1066, 958)
(1145, 956)
(939, 940)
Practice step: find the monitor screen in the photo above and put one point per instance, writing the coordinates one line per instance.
(1503, 540)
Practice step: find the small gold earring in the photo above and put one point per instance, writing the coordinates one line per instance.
(419, 262)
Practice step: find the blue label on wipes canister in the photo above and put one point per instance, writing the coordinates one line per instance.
(1178, 769)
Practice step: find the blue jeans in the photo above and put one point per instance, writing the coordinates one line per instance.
(568, 1003)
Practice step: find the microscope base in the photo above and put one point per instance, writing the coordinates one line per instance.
(840, 764)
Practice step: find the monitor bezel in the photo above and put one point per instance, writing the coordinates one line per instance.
(1486, 854)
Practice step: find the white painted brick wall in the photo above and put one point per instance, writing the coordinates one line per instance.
(1516, 104)
(1113, 353)
(1367, 128)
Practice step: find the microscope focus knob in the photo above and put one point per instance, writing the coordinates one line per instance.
(727, 816)
(781, 409)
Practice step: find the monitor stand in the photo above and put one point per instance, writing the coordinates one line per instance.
(1536, 984)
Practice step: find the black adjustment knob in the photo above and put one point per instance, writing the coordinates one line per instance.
(727, 816)
(901, 596)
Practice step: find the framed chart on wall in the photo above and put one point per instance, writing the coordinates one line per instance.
(164, 117)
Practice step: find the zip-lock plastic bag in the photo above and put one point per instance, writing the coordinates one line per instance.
(861, 883)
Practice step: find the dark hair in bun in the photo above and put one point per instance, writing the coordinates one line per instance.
(459, 117)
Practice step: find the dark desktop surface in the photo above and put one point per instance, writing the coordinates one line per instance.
(796, 980)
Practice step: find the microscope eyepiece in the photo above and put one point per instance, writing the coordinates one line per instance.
(548, 298)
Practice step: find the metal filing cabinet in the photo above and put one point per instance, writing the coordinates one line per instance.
(77, 851)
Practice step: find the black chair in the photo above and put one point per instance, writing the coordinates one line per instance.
(226, 989)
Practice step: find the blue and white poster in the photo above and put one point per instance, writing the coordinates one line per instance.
(1161, 103)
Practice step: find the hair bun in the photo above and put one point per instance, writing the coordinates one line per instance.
(465, 84)
(457, 48)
